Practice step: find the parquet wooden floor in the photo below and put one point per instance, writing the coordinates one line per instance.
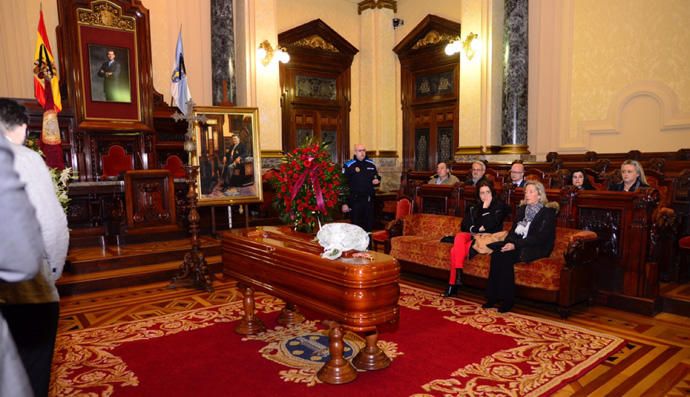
(655, 362)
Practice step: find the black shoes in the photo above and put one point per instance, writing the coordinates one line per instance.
(504, 308)
(489, 304)
(450, 291)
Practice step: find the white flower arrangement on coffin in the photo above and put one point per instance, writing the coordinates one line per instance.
(336, 238)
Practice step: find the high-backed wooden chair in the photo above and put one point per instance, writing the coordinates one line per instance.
(402, 209)
(116, 162)
(175, 165)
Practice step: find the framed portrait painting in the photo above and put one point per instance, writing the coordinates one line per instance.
(107, 50)
(228, 155)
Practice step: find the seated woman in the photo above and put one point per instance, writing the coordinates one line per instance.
(485, 216)
(580, 180)
(531, 237)
(633, 177)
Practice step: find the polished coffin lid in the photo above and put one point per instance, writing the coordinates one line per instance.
(357, 292)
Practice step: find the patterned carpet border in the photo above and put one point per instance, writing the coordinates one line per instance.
(548, 355)
(539, 342)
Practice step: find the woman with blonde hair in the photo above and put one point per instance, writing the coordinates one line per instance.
(633, 177)
(531, 237)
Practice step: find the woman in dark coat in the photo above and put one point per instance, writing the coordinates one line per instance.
(531, 237)
(633, 177)
(580, 180)
(486, 216)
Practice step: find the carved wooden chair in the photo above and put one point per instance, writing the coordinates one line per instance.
(403, 208)
(116, 162)
(175, 165)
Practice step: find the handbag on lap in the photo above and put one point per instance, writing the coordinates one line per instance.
(482, 241)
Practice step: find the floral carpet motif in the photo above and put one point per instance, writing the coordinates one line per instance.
(548, 355)
(531, 357)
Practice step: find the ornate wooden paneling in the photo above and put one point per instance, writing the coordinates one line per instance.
(429, 93)
(315, 87)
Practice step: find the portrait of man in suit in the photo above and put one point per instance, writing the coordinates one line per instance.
(109, 74)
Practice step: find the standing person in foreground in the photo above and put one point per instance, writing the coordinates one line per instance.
(22, 251)
(633, 177)
(485, 216)
(531, 237)
(362, 177)
(31, 307)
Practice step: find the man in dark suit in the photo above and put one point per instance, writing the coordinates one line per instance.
(477, 174)
(234, 159)
(110, 71)
(517, 174)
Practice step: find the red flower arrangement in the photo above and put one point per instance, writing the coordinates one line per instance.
(308, 187)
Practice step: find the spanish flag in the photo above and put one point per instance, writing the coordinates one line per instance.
(47, 93)
(46, 81)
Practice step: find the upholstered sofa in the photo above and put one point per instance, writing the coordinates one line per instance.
(563, 278)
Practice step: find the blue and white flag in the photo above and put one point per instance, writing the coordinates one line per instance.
(179, 88)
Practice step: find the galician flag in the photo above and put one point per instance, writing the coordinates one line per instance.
(179, 87)
(47, 93)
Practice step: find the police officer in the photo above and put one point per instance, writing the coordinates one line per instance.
(361, 177)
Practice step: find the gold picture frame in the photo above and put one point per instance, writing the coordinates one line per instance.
(228, 155)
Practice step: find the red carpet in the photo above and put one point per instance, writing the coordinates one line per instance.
(441, 347)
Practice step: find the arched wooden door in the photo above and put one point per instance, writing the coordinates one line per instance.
(430, 92)
(315, 87)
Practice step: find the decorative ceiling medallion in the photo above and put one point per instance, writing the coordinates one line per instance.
(316, 42)
(106, 14)
(431, 38)
(372, 4)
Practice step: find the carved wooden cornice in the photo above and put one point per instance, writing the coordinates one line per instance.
(316, 42)
(431, 38)
(105, 14)
(373, 4)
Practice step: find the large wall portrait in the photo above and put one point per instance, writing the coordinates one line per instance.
(109, 73)
(228, 155)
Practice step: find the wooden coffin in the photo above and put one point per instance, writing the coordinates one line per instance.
(356, 292)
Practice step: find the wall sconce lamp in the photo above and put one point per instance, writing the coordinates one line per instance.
(469, 46)
(266, 53)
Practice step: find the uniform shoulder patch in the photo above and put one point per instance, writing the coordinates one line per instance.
(370, 161)
(349, 162)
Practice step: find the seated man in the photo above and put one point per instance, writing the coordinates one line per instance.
(443, 176)
(517, 173)
(477, 176)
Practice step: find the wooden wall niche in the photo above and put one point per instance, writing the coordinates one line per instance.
(315, 87)
(86, 31)
(429, 93)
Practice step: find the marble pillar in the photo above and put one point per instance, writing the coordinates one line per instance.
(223, 52)
(515, 73)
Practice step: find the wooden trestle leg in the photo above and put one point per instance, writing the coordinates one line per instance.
(371, 357)
(250, 324)
(337, 370)
(290, 315)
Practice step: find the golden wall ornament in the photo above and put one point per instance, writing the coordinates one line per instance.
(373, 4)
(431, 38)
(106, 14)
(316, 42)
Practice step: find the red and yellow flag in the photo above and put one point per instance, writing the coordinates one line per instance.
(46, 81)
(47, 93)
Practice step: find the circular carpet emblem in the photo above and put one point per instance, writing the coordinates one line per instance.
(313, 348)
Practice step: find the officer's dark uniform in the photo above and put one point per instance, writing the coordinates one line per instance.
(359, 176)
